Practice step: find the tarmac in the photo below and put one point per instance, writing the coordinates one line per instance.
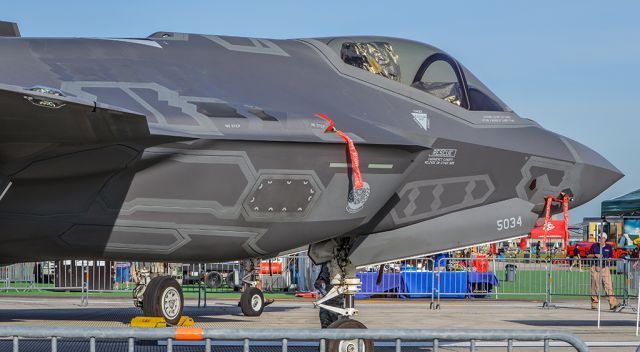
(616, 332)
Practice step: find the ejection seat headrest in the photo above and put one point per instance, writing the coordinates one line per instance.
(376, 57)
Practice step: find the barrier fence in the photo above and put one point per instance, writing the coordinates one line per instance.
(326, 339)
(451, 278)
(507, 278)
(106, 276)
(586, 277)
(63, 275)
(470, 278)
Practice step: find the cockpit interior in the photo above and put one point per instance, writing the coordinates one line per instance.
(420, 66)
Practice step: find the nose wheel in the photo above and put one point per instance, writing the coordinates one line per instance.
(163, 298)
(252, 302)
(356, 345)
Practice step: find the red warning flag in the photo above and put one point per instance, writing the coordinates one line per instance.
(353, 152)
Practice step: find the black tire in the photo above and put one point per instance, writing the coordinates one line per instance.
(342, 345)
(252, 302)
(213, 280)
(149, 300)
(163, 298)
(231, 280)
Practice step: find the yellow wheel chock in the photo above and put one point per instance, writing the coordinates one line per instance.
(159, 322)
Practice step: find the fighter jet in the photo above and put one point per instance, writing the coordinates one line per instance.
(205, 148)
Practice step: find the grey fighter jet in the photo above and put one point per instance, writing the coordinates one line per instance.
(189, 148)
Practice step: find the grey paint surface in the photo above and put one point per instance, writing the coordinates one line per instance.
(184, 147)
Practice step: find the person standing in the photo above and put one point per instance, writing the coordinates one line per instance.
(601, 276)
(323, 285)
(577, 260)
(122, 274)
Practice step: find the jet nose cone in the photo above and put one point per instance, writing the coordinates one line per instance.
(595, 175)
(595, 180)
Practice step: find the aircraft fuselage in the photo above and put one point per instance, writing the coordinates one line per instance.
(236, 165)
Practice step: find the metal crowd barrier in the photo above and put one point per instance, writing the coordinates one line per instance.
(575, 278)
(276, 275)
(105, 276)
(495, 277)
(436, 338)
(211, 277)
(17, 277)
(65, 275)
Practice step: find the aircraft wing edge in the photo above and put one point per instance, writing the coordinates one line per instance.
(40, 114)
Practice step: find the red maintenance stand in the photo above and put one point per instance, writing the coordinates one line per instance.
(563, 199)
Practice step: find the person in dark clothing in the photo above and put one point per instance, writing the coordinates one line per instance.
(538, 247)
(601, 276)
(576, 261)
(323, 285)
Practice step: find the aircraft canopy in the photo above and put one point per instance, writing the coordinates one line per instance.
(420, 66)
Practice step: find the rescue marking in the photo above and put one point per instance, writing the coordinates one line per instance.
(421, 119)
(497, 119)
(444, 157)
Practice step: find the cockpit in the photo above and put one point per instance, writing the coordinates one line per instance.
(420, 66)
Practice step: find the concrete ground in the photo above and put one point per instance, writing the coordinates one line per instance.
(617, 331)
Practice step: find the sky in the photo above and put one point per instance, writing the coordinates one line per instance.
(573, 66)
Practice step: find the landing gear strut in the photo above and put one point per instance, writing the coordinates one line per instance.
(252, 300)
(343, 281)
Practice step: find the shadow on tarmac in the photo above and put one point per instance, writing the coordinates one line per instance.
(122, 315)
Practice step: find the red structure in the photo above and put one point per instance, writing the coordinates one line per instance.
(554, 229)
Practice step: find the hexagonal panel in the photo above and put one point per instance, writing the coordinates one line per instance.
(282, 196)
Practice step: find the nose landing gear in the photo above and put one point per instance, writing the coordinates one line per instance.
(343, 282)
(252, 300)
